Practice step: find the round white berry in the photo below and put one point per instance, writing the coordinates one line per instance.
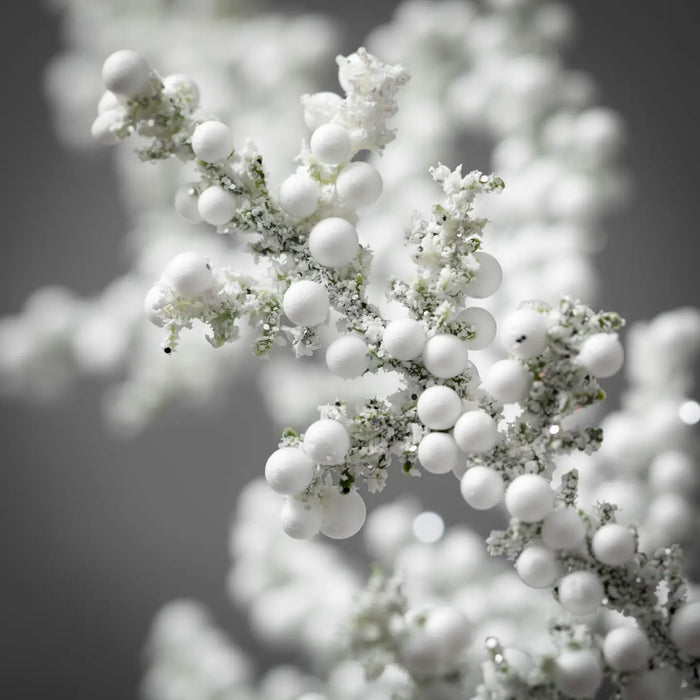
(602, 355)
(476, 432)
(487, 279)
(299, 195)
(685, 629)
(403, 339)
(482, 323)
(507, 381)
(626, 648)
(105, 126)
(439, 407)
(187, 204)
(306, 303)
(156, 299)
(671, 517)
(289, 470)
(347, 356)
(343, 514)
(110, 100)
(438, 453)
(445, 356)
(333, 242)
(578, 673)
(449, 628)
(529, 498)
(537, 566)
(359, 184)
(673, 472)
(188, 274)
(327, 441)
(524, 333)
(613, 544)
(125, 72)
(482, 488)
(301, 519)
(320, 108)
(216, 205)
(581, 592)
(563, 529)
(331, 144)
(212, 142)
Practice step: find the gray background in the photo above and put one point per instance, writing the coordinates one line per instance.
(96, 534)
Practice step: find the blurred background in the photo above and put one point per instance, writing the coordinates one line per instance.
(98, 533)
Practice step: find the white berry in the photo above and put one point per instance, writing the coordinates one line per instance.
(578, 673)
(524, 333)
(289, 470)
(212, 141)
(537, 566)
(626, 648)
(331, 144)
(187, 204)
(581, 592)
(300, 519)
(507, 381)
(327, 441)
(529, 498)
(299, 195)
(563, 529)
(125, 72)
(306, 303)
(347, 356)
(438, 453)
(476, 432)
(602, 355)
(188, 274)
(673, 472)
(482, 323)
(343, 514)
(487, 279)
(359, 184)
(445, 356)
(403, 339)
(216, 205)
(439, 407)
(105, 126)
(482, 488)
(155, 300)
(613, 544)
(333, 242)
(685, 629)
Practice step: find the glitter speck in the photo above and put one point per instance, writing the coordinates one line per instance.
(554, 429)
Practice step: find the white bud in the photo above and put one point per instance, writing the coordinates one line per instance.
(524, 333)
(438, 453)
(187, 205)
(439, 407)
(300, 519)
(359, 184)
(403, 339)
(216, 205)
(104, 128)
(212, 142)
(347, 356)
(537, 566)
(299, 195)
(188, 274)
(602, 355)
(482, 323)
(482, 488)
(581, 592)
(529, 498)
(563, 529)
(320, 108)
(333, 242)
(626, 648)
(289, 470)
(343, 514)
(327, 441)
(578, 673)
(125, 72)
(306, 303)
(331, 144)
(613, 544)
(674, 472)
(487, 278)
(507, 381)
(685, 629)
(182, 88)
(476, 432)
(155, 300)
(445, 356)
